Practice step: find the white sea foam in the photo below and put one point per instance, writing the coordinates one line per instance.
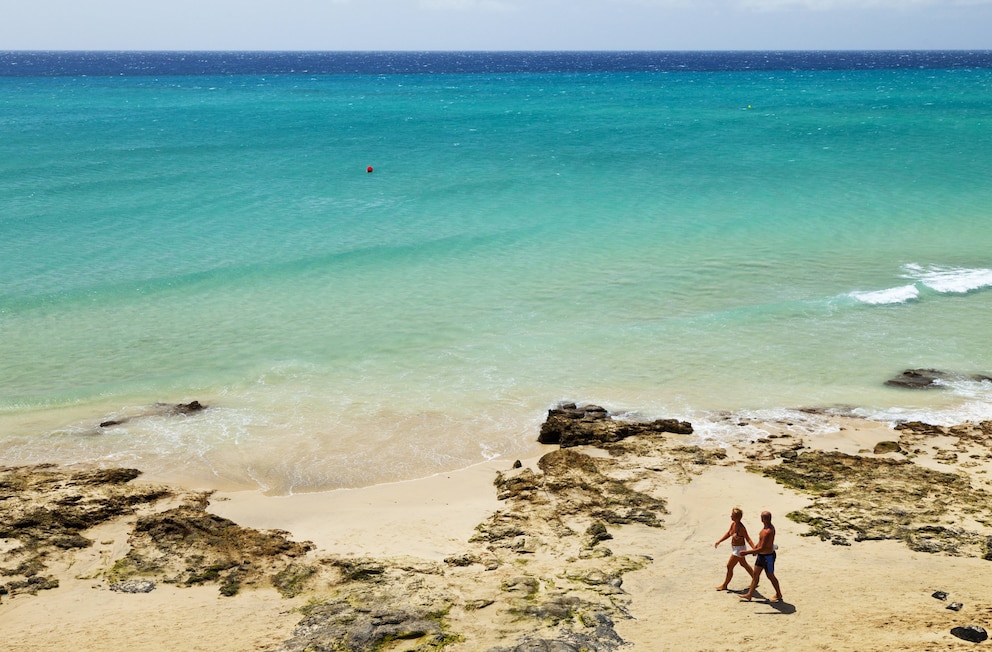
(745, 426)
(900, 294)
(940, 279)
(950, 280)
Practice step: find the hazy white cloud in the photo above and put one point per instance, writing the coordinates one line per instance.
(496, 24)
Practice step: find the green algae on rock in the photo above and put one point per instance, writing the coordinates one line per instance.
(870, 498)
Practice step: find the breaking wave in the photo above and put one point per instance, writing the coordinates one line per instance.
(930, 279)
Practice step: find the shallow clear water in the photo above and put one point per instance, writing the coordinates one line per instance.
(675, 242)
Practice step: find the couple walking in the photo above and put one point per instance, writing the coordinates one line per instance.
(765, 551)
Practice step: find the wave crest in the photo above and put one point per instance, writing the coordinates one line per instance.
(950, 280)
(936, 278)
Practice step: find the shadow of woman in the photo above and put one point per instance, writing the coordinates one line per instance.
(782, 607)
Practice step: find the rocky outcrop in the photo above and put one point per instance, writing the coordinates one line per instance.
(375, 602)
(46, 511)
(541, 572)
(874, 498)
(569, 425)
(187, 545)
(930, 378)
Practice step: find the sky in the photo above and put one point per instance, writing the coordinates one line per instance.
(495, 24)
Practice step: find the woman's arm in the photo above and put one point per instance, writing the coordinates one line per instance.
(725, 536)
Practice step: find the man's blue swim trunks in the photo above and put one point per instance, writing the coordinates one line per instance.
(767, 562)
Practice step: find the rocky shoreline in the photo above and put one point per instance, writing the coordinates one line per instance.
(542, 572)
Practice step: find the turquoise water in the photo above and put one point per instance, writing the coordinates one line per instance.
(674, 243)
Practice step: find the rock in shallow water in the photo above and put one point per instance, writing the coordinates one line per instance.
(930, 378)
(568, 425)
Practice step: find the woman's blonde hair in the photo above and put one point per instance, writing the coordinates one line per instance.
(737, 511)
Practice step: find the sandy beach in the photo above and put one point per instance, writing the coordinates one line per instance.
(588, 547)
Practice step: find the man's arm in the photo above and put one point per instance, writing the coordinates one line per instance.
(762, 536)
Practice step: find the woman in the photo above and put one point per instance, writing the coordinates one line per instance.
(737, 535)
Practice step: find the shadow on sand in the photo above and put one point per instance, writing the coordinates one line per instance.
(781, 607)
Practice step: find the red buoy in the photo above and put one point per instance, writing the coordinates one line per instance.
(369, 169)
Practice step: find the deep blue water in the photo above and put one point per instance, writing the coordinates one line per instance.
(27, 64)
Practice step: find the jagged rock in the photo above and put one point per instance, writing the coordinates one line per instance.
(47, 509)
(190, 546)
(940, 595)
(929, 378)
(521, 485)
(597, 532)
(603, 638)
(555, 609)
(920, 428)
(955, 606)
(972, 633)
(462, 560)
(917, 378)
(338, 626)
(883, 447)
(31, 585)
(133, 586)
(523, 584)
(568, 425)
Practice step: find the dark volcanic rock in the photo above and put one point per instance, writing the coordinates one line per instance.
(569, 425)
(917, 378)
(186, 408)
(928, 378)
(159, 410)
(972, 633)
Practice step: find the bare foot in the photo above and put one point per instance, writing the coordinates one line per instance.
(777, 598)
(746, 598)
(722, 588)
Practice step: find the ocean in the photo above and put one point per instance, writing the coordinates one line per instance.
(380, 266)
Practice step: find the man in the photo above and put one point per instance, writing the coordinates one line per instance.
(765, 550)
